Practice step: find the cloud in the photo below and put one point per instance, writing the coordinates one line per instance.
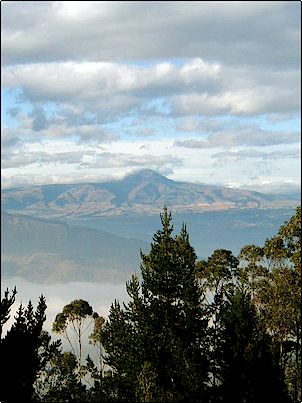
(39, 120)
(233, 156)
(101, 295)
(286, 187)
(102, 92)
(86, 81)
(261, 32)
(10, 143)
(24, 158)
(205, 125)
(123, 160)
(207, 75)
(194, 88)
(262, 99)
(35, 127)
(242, 136)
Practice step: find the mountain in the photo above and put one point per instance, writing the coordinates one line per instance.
(90, 232)
(48, 251)
(143, 192)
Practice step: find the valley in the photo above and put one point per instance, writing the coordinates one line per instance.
(95, 232)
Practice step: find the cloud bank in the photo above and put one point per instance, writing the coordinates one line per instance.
(177, 83)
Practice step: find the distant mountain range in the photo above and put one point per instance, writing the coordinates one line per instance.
(142, 192)
(47, 251)
(94, 232)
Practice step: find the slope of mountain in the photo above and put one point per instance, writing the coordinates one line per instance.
(227, 229)
(50, 251)
(142, 192)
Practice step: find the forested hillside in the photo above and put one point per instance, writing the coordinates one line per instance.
(225, 328)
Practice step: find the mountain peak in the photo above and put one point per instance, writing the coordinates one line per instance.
(144, 191)
(146, 173)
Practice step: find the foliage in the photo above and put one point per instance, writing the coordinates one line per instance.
(216, 275)
(73, 318)
(156, 344)
(19, 352)
(57, 380)
(221, 329)
(277, 295)
(248, 371)
(95, 338)
(6, 304)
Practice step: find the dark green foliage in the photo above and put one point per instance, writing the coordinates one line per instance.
(19, 352)
(274, 278)
(156, 344)
(216, 275)
(6, 304)
(222, 329)
(248, 371)
(290, 233)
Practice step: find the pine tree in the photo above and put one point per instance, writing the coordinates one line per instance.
(216, 275)
(156, 344)
(6, 304)
(19, 352)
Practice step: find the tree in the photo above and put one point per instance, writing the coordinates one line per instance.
(216, 275)
(249, 373)
(95, 338)
(280, 296)
(6, 304)
(276, 292)
(19, 352)
(73, 319)
(251, 270)
(291, 235)
(57, 379)
(156, 345)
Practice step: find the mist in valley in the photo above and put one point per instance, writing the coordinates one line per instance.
(99, 295)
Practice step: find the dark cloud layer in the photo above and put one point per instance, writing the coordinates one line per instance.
(234, 32)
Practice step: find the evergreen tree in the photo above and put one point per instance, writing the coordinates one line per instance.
(249, 372)
(6, 304)
(156, 345)
(19, 352)
(216, 275)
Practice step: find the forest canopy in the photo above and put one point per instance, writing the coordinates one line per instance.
(225, 328)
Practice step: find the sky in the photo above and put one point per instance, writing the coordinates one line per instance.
(205, 92)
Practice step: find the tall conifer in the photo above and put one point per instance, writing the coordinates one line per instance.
(159, 339)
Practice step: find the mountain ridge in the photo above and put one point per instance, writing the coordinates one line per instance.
(43, 250)
(142, 192)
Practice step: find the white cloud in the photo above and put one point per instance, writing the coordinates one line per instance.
(233, 156)
(21, 158)
(119, 160)
(196, 88)
(89, 80)
(130, 79)
(242, 136)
